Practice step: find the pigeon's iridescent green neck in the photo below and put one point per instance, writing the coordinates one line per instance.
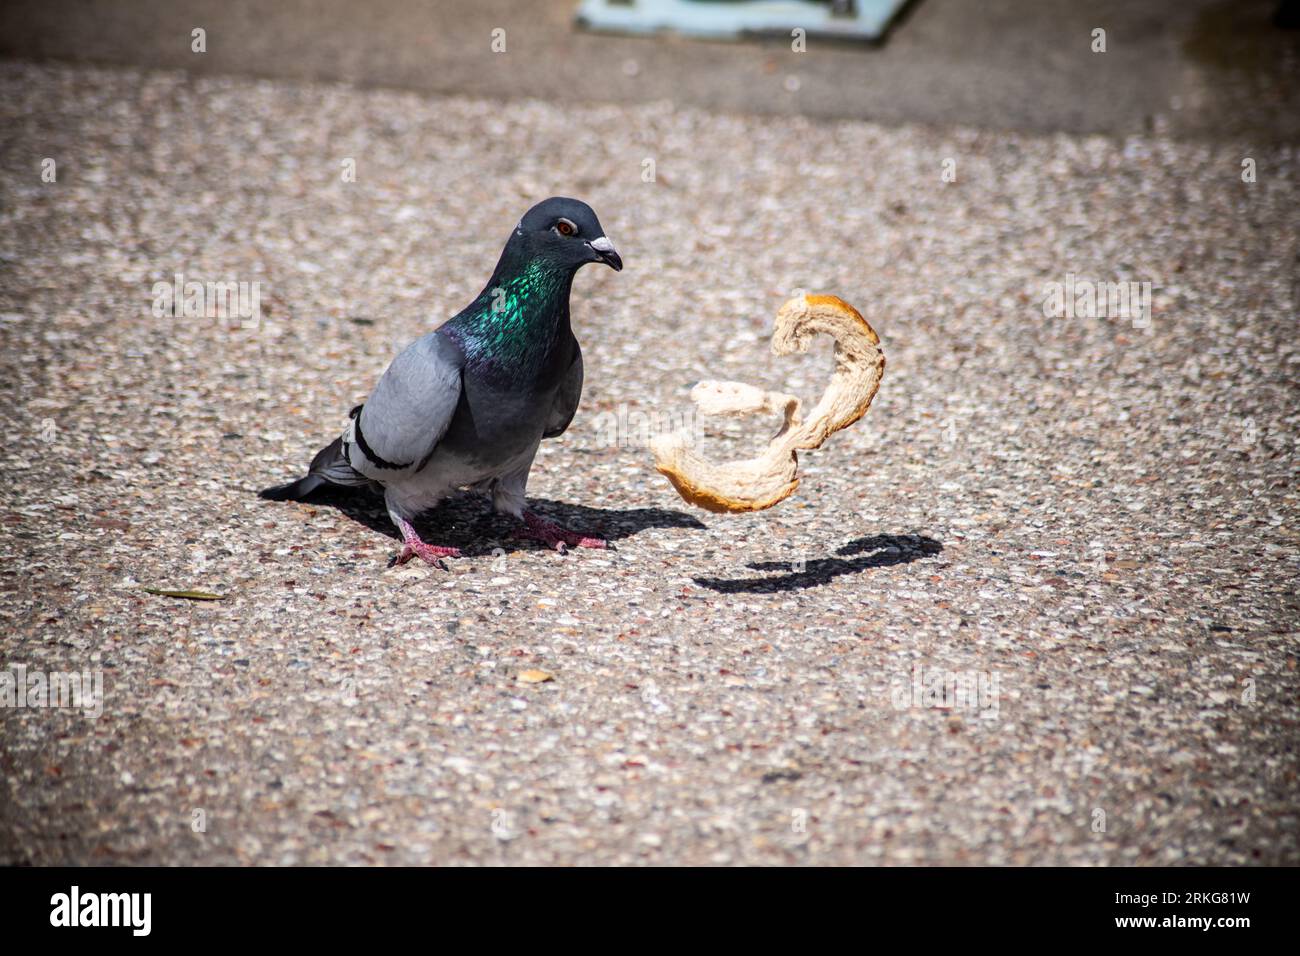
(510, 322)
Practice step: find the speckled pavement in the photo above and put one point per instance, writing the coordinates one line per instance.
(1086, 525)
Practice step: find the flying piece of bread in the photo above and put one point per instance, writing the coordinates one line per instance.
(756, 483)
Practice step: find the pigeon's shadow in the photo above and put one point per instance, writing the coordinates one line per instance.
(873, 551)
(467, 521)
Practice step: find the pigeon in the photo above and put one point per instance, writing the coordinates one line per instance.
(467, 405)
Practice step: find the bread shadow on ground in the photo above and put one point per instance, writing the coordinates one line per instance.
(467, 521)
(861, 554)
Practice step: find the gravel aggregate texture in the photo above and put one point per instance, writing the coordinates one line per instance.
(1090, 521)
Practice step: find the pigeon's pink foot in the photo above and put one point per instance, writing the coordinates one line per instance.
(553, 536)
(413, 547)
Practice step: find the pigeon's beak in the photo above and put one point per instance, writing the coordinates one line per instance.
(606, 253)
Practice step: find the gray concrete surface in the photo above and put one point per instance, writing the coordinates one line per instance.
(1205, 69)
(1093, 517)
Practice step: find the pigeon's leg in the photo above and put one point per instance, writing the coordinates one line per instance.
(508, 498)
(413, 547)
(553, 536)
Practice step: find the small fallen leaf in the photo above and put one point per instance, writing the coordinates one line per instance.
(188, 595)
(535, 677)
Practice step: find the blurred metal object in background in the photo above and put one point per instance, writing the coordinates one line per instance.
(733, 19)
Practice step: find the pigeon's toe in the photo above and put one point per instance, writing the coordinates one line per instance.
(553, 536)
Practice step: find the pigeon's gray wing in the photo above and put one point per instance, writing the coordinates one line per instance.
(397, 429)
(567, 397)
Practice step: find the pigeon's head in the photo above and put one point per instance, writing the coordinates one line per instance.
(565, 232)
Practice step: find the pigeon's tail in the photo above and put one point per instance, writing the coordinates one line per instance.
(294, 490)
(329, 467)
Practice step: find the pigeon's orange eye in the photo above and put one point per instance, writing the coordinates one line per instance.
(566, 228)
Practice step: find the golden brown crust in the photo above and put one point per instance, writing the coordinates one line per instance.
(716, 501)
(835, 302)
